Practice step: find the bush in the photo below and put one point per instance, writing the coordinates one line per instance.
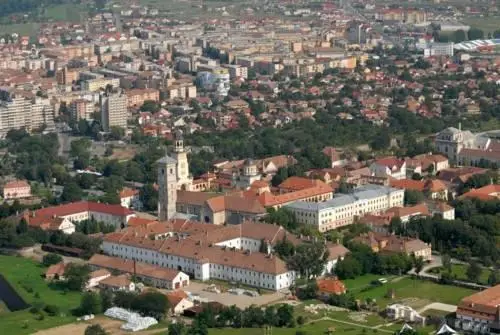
(34, 310)
(51, 310)
(51, 259)
(40, 317)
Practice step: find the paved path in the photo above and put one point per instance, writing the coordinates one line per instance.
(326, 318)
(440, 307)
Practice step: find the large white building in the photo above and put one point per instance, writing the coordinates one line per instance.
(344, 208)
(465, 148)
(206, 251)
(18, 111)
(114, 110)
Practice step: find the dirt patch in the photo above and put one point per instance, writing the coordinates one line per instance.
(78, 328)
(359, 316)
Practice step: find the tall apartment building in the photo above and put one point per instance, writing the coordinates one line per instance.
(343, 209)
(18, 111)
(81, 109)
(114, 110)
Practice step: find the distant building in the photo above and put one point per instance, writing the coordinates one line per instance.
(81, 109)
(466, 148)
(389, 167)
(113, 110)
(16, 189)
(439, 49)
(403, 312)
(344, 208)
(329, 286)
(394, 244)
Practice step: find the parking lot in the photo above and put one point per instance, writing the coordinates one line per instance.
(228, 299)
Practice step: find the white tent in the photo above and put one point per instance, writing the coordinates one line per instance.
(445, 329)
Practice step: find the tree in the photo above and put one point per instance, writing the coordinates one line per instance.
(154, 304)
(149, 197)
(177, 328)
(106, 299)
(381, 141)
(91, 303)
(459, 36)
(150, 106)
(419, 264)
(51, 259)
(77, 276)
(396, 225)
(309, 259)
(475, 34)
(474, 271)
(124, 299)
(413, 197)
(116, 133)
(71, 192)
(493, 278)
(446, 260)
(95, 330)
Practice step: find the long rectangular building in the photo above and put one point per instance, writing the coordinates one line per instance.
(480, 313)
(206, 251)
(342, 209)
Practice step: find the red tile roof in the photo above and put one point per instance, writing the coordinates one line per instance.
(83, 206)
(331, 286)
(408, 184)
(16, 184)
(390, 162)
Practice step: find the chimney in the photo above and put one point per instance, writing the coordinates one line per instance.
(33, 214)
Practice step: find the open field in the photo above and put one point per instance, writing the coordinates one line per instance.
(460, 270)
(23, 29)
(25, 276)
(487, 24)
(407, 289)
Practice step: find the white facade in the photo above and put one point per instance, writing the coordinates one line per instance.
(114, 110)
(382, 170)
(167, 187)
(202, 270)
(342, 210)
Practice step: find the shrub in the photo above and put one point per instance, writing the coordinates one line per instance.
(40, 317)
(51, 259)
(51, 310)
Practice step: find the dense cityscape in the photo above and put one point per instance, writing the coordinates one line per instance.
(252, 167)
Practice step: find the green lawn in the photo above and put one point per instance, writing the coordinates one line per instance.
(407, 288)
(460, 270)
(487, 24)
(26, 275)
(23, 29)
(69, 12)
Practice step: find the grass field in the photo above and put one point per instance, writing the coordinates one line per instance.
(460, 270)
(407, 288)
(72, 13)
(487, 24)
(23, 29)
(26, 275)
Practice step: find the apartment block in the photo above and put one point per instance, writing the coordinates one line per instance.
(137, 97)
(114, 110)
(81, 109)
(99, 83)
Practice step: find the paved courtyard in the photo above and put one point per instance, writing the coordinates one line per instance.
(228, 299)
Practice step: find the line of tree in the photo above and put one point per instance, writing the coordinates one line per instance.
(363, 260)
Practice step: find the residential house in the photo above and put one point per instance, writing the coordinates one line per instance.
(96, 277)
(395, 244)
(56, 271)
(178, 302)
(130, 198)
(16, 189)
(389, 167)
(329, 286)
(117, 283)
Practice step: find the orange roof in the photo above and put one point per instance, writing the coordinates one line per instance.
(267, 199)
(83, 206)
(390, 162)
(299, 183)
(16, 184)
(408, 184)
(488, 192)
(116, 281)
(331, 286)
(137, 221)
(434, 185)
(128, 192)
(56, 269)
(420, 209)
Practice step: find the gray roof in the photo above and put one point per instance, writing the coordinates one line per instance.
(167, 160)
(364, 192)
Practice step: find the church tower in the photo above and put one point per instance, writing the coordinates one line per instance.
(167, 188)
(184, 180)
